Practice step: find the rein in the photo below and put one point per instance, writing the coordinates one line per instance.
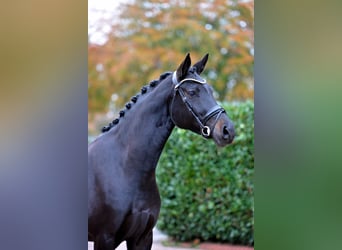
(217, 110)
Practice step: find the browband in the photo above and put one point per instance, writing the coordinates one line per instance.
(177, 84)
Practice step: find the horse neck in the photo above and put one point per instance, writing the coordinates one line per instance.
(145, 128)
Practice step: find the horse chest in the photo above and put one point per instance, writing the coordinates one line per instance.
(141, 201)
(140, 219)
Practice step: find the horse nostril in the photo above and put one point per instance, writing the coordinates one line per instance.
(225, 133)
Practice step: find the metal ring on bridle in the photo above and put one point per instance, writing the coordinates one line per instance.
(206, 131)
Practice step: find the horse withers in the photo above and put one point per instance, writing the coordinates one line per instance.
(123, 197)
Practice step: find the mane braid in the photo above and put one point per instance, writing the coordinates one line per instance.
(134, 99)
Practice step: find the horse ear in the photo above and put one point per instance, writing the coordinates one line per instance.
(201, 64)
(183, 68)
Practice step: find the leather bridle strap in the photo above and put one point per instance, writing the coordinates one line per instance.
(214, 111)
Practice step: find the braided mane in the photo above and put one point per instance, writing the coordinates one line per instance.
(134, 99)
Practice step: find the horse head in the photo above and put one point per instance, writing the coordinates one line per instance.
(194, 107)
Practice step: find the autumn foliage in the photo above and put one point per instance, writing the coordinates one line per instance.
(151, 37)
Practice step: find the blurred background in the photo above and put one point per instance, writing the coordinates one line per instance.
(44, 113)
(131, 42)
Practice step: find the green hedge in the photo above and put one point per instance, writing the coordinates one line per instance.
(206, 191)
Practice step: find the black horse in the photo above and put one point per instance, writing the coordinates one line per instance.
(123, 198)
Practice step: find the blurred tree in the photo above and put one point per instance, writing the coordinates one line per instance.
(151, 37)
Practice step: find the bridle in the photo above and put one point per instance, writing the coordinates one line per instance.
(217, 110)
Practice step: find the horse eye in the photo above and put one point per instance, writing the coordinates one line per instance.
(191, 92)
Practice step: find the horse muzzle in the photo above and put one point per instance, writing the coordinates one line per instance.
(224, 131)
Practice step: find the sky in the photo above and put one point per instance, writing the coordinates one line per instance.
(98, 12)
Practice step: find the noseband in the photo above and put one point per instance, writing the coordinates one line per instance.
(214, 111)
